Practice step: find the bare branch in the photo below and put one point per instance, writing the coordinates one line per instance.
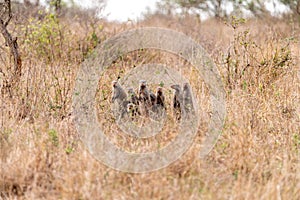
(10, 41)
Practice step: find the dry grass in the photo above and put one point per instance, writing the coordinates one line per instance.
(256, 157)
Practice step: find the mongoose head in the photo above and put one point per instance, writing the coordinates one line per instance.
(143, 84)
(185, 86)
(176, 87)
(114, 84)
(159, 91)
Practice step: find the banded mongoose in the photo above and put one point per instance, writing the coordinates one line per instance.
(119, 95)
(144, 97)
(160, 98)
(177, 101)
(132, 110)
(134, 100)
(152, 98)
(188, 105)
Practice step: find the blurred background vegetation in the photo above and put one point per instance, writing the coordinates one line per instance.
(42, 45)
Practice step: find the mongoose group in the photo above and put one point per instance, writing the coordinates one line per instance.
(145, 101)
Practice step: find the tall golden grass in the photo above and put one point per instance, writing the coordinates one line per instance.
(256, 157)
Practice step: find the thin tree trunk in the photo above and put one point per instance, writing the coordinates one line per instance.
(11, 42)
(14, 49)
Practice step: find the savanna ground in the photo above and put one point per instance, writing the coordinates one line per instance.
(256, 157)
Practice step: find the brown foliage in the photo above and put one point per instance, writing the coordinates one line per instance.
(256, 157)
